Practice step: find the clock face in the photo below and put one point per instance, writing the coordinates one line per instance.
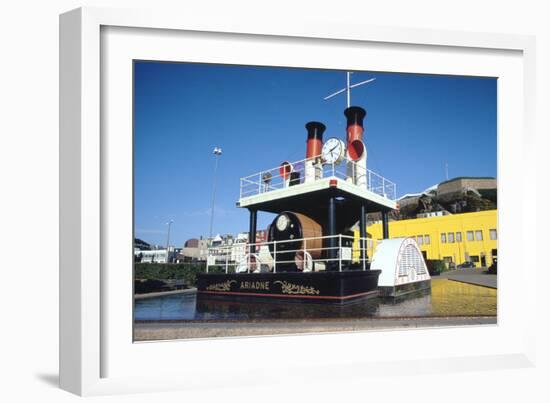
(333, 151)
(282, 222)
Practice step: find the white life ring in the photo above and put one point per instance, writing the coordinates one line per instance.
(303, 261)
(250, 259)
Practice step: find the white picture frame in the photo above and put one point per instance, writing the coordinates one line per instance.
(93, 349)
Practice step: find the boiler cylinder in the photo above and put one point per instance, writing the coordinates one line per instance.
(286, 239)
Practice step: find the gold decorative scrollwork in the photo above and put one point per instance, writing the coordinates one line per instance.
(225, 286)
(289, 288)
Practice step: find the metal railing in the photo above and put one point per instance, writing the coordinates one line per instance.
(262, 257)
(311, 169)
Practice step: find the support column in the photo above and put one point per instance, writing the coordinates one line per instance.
(331, 230)
(363, 233)
(385, 225)
(252, 230)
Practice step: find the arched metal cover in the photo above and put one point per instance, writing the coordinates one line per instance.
(400, 261)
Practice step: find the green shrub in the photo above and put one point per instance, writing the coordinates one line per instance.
(146, 286)
(436, 266)
(162, 271)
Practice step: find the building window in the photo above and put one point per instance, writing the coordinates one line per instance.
(427, 239)
(459, 236)
(470, 235)
(451, 237)
(443, 238)
(419, 240)
(479, 235)
(493, 234)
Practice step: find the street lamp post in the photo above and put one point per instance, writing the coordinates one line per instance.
(217, 152)
(169, 223)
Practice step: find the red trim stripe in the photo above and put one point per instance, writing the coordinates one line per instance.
(254, 294)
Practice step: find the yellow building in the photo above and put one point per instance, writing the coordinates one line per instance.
(455, 238)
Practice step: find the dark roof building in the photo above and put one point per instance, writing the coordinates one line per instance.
(465, 183)
(191, 243)
(141, 245)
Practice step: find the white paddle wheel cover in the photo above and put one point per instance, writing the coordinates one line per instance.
(400, 261)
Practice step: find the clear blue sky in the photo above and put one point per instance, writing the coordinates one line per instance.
(414, 125)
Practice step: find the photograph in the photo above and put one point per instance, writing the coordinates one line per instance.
(271, 200)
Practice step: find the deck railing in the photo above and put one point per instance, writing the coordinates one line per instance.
(264, 257)
(312, 169)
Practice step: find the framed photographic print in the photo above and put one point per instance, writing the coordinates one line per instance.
(308, 261)
(335, 186)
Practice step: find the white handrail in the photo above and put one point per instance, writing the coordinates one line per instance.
(231, 256)
(255, 184)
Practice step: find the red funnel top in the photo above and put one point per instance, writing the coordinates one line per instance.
(355, 116)
(315, 132)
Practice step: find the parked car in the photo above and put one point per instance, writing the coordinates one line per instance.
(466, 265)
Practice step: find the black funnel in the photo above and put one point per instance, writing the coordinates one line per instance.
(355, 115)
(315, 130)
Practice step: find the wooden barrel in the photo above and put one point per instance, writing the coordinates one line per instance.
(288, 226)
(311, 229)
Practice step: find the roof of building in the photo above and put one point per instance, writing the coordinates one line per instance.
(426, 191)
(468, 178)
(138, 241)
(409, 195)
(192, 243)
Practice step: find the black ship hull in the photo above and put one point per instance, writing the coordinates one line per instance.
(318, 287)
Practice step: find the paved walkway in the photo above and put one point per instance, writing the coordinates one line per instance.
(185, 330)
(472, 276)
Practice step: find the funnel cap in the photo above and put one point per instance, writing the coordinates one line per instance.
(315, 130)
(355, 115)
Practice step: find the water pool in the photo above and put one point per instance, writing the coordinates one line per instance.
(447, 298)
